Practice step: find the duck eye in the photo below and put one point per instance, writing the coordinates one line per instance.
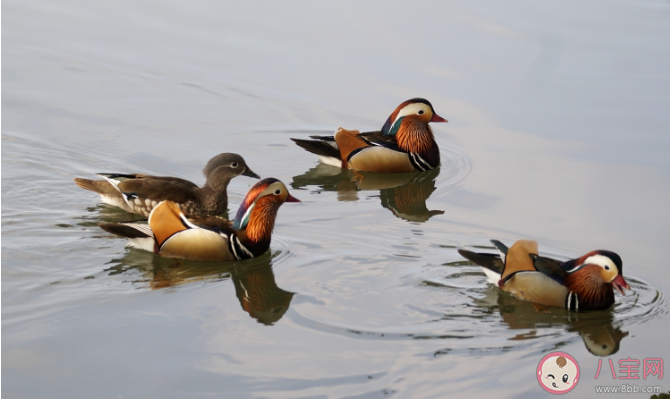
(565, 378)
(234, 164)
(420, 112)
(277, 192)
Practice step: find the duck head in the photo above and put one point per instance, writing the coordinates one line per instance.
(610, 268)
(226, 166)
(258, 211)
(418, 108)
(594, 276)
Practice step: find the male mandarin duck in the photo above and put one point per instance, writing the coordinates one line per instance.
(171, 233)
(138, 193)
(405, 143)
(585, 283)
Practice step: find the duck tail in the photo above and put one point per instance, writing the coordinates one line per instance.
(491, 264)
(101, 187)
(137, 232)
(489, 261)
(325, 147)
(134, 229)
(321, 147)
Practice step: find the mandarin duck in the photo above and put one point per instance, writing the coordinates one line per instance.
(138, 193)
(169, 232)
(405, 143)
(585, 283)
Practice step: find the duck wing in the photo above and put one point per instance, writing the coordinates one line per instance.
(551, 267)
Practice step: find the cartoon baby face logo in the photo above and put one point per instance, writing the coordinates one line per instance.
(558, 373)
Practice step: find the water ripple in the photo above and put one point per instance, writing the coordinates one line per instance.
(474, 316)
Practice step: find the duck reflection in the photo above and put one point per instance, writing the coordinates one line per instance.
(258, 293)
(404, 194)
(254, 281)
(597, 328)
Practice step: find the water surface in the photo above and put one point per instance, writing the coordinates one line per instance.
(557, 132)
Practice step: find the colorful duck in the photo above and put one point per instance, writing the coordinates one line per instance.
(585, 283)
(171, 233)
(405, 143)
(138, 193)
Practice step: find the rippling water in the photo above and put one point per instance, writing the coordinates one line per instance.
(557, 133)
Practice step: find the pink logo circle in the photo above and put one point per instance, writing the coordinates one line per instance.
(558, 373)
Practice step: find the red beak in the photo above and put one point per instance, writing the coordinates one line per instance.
(619, 283)
(290, 198)
(438, 118)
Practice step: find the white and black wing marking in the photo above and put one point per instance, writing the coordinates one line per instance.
(418, 162)
(115, 180)
(572, 301)
(239, 251)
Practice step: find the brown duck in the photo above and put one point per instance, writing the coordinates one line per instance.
(138, 193)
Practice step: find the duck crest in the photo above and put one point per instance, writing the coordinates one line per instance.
(386, 129)
(592, 291)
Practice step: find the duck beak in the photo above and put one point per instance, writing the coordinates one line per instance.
(290, 198)
(250, 173)
(619, 283)
(438, 118)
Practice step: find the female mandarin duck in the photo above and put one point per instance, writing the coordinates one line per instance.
(584, 283)
(405, 143)
(170, 233)
(137, 193)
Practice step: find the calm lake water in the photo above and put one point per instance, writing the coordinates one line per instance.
(558, 131)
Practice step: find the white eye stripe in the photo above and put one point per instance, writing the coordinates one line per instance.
(411, 109)
(602, 261)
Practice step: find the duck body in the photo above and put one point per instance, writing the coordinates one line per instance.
(169, 232)
(585, 283)
(139, 193)
(405, 143)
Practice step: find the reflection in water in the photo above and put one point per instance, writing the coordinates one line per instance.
(258, 293)
(596, 328)
(404, 194)
(254, 280)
